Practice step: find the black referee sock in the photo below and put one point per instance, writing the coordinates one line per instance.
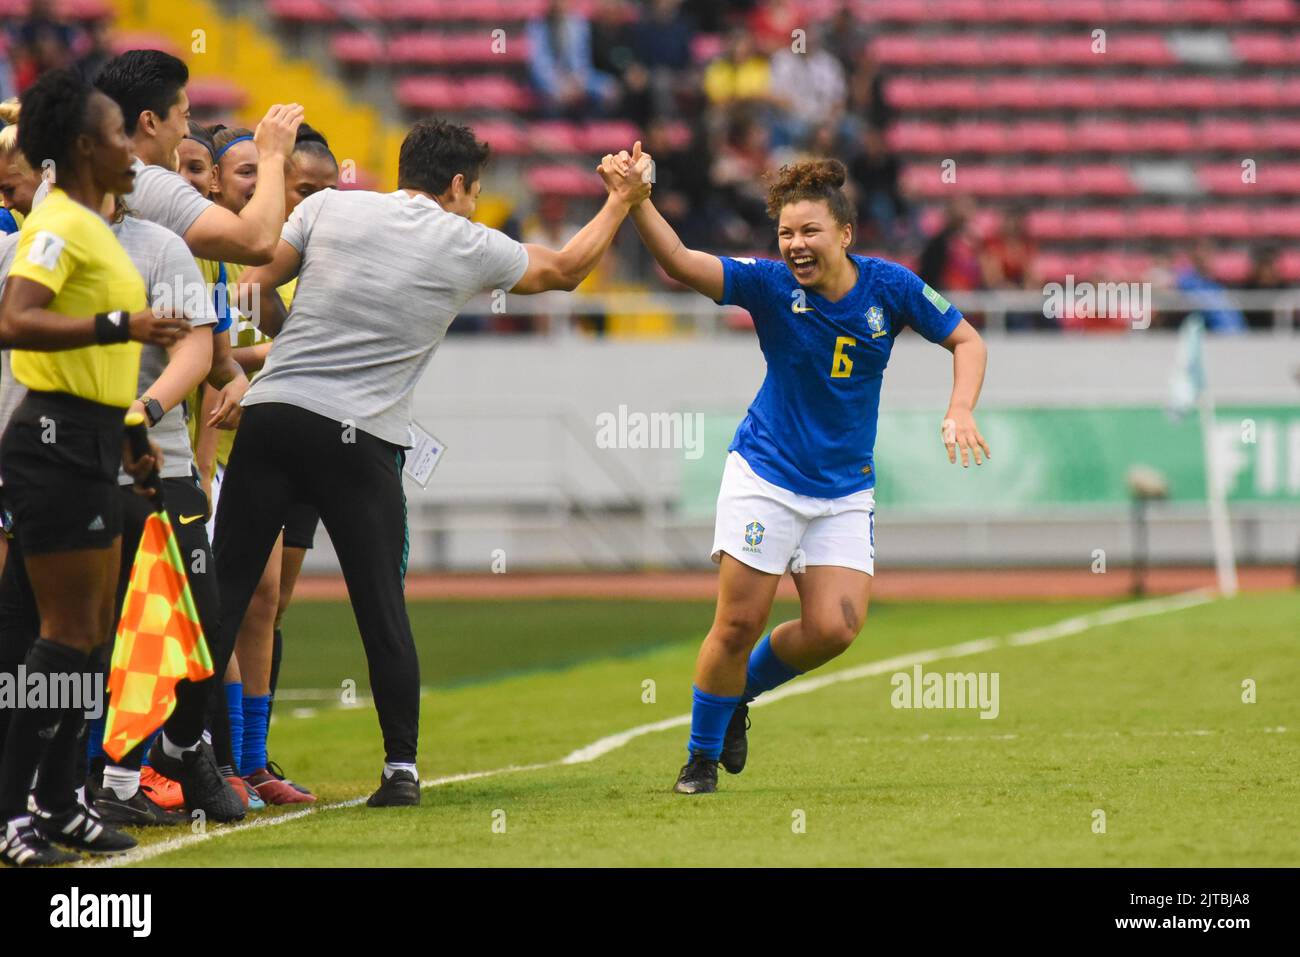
(57, 779)
(32, 731)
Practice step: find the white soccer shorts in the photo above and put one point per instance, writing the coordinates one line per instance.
(771, 528)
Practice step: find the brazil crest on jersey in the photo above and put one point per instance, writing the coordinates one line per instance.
(812, 427)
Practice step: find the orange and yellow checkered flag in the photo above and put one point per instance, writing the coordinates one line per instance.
(159, 641)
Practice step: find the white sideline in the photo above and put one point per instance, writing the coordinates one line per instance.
(597, 749)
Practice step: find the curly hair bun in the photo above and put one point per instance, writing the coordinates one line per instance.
(819, 179)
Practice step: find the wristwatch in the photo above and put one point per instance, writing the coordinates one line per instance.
(153, 410)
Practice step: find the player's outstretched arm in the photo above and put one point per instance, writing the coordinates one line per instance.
(550, 269)
(250, 236)
(690, 267)
(969, 357)
(259, 284)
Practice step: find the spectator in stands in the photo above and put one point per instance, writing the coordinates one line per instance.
(773, 24)
(1198, 277)
(875, 172)
(950, 261)
(1264, 275)
(41, 42)
(1008, 263)
(809, 86)
(612, 54)
(559, 61)
(737, 184)
(661, 43)
(681, 183)
(99, 51)
(742, 74)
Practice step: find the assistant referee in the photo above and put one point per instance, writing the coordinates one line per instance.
(74, 312)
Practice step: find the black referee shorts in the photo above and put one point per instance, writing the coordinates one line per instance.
(59, 459)
(285, 455)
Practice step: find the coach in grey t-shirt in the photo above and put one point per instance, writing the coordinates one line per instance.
(173, 282)
(380, 278)
(409, 266)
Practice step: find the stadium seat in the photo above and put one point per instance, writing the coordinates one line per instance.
(564, 181)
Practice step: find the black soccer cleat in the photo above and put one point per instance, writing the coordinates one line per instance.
(136, 811)
(201, 781)
(698, 776)
(80, 828)
(399, 790)
(735, 745)
(22, 845)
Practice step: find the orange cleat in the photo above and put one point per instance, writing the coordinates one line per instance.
(164, 792)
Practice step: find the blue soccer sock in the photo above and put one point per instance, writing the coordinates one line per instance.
(95, 739)
(257, 715)
(235, 708)
(766, 671)
(709, 716)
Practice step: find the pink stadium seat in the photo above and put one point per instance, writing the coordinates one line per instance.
(1169, 136)
(1165, 222)
(1231, 265)
(1038, 181)
(121, 42)
(1235, 222)
(917, 137)
(1279, 221)
(1263, 48)
(554, 136)
(975, 136)
(1226, 178)
(355, 48)
(901, 49)
(564, 181)
(1262, 92)
(1100, 179)
(304, 11)
(1288, 263)
(216, 94)
(1227, 134)
(706, 47)
(1015, 93)
(1280, 133)
(84, 9)
(505, 137)
(1106, 136)
(608, 136)
(1041, 136)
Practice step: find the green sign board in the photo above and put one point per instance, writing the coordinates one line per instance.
(1044, 457)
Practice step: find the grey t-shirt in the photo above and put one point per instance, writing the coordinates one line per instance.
(160, 196)
(174, 282)
(165, 198)
(382, 277)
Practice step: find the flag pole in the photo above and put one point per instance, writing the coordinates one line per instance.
(1225, 561)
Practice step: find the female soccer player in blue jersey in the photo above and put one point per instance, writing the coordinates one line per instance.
(798, 487)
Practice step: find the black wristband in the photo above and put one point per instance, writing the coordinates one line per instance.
(112, 327)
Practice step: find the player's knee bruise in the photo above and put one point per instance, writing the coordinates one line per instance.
(834, 630)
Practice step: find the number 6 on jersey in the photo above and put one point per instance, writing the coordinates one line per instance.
(842, 365)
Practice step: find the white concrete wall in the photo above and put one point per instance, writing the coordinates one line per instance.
(519, 417)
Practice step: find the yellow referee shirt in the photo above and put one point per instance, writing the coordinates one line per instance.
(70, 250)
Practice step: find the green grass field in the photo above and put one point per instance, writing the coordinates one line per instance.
(1142, 719)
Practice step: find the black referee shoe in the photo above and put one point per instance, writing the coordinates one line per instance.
(698, 776)
(735, 746)
(22, 845)
(201, 781)
(400, 790)
(135, 811)
(82, 829)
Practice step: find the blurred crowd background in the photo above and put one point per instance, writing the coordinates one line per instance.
(991, 145)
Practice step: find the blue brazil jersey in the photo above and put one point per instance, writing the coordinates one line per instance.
(812, 427)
